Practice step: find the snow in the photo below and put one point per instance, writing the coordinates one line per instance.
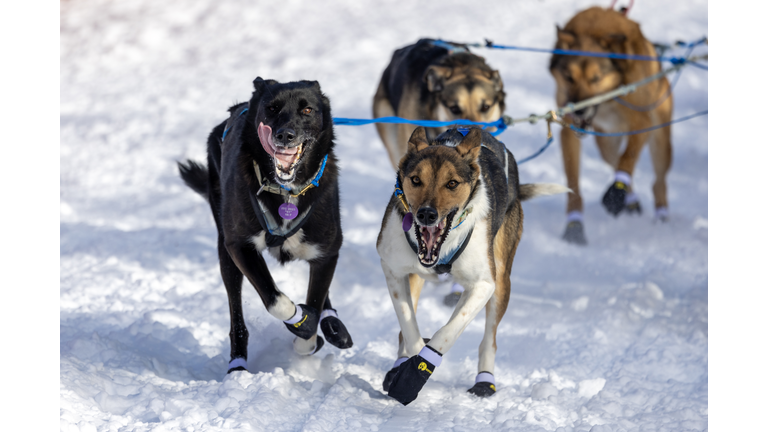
(608, 337)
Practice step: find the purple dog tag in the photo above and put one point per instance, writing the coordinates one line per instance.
(288, 211)
(407, 221)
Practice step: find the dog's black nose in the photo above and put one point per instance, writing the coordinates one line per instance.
(580, 112)
(285, 134)
(426, 215)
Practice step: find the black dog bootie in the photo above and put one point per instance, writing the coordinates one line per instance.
(485, 385)
(412, 374)
(334, 330)
(304, 323)
(614, 198)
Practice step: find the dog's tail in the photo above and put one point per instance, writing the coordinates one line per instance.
(532, 190)
(195, 175)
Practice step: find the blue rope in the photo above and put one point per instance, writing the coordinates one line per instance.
(498, 124)
(673, 60)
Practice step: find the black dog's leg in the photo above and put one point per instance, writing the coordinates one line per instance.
(301, 320)
(320, 276)
(238, 333)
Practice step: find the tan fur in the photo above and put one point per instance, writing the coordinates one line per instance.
(579, 78)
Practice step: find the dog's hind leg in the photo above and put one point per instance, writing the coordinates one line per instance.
(661, 155)
(571, 149)
(238, 332)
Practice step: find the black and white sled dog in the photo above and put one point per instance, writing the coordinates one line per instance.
(456, 209)
(272, 183)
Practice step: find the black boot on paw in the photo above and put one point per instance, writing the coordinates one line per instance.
(306, 326)
(574, 233)
(334, 330)
(614, 197)
(483, 389)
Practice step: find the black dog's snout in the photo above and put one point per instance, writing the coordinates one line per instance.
(285, 134)
(426, 216)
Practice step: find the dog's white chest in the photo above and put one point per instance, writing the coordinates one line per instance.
(294, 245)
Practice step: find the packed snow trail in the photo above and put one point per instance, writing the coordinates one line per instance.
(608, 337)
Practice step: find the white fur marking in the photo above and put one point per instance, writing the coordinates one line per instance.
(283, 309)
(297, 248)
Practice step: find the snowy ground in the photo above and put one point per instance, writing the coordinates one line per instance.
(608, 337)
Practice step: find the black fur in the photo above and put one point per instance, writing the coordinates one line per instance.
(229, 181)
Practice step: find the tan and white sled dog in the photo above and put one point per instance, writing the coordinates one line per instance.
(456, 209)
(433, 80)
(581, 77)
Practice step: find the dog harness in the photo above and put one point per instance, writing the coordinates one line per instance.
(275, 233)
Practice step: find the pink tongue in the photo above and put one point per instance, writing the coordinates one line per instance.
(429, 235)
(265, 136)
(286, 156)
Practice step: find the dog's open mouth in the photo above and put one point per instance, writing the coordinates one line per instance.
(430, 239)
(285, 158)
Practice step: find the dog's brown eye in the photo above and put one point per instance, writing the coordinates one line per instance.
(452, 184)
(485, 107)
(455, 109)
(416, 180)
(306, 110)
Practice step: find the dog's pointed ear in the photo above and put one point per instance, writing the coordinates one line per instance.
(259, 83)
(469, 147)
(435, 77)
(418, 140)
(565, 39)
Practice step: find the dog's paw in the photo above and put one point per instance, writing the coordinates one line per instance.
(451, 299)
(412, 374)
(574, 233)
(483, 389)
(334, 330)
(306, 326)
(302, 346)
(485, 385)
(661, 214)
(614, 198)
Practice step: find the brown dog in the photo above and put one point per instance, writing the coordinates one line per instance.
(578, 78)
(434, 81)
